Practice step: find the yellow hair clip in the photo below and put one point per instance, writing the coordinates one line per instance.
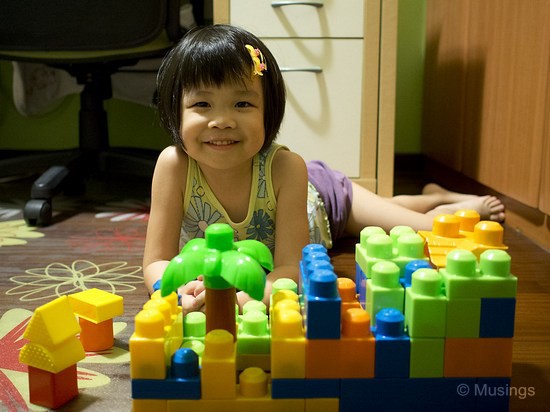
(257, 59)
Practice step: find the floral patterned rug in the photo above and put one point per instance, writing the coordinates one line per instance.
(94, 242)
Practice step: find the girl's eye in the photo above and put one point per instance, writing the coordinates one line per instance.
(243, 104)
(201, 104)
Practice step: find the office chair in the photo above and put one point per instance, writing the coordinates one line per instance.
(91, 40)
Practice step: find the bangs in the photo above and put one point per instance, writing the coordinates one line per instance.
(214, 63)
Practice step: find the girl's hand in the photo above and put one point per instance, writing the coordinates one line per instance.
(193, 296)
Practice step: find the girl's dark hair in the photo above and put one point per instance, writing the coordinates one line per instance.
(213, 56)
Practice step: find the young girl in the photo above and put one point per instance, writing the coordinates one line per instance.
(222, 99)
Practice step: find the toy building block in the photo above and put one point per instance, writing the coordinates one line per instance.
(412, 267)
(322, 306)
(427, 357)
(383, 289)
(393, 347)
(357, 346)
(147, 405)
(497, 281)
(173, 325)
(253, 337)
(313, 258)
(463, 230)
(51, 353)
(288, 345)
(323, 359)
(322, 405)
(52, 390)
(461, 275)
(463, 318)
(226, 266)
(96, 309)
(425, 305)
(219, 368)
(497, 317)
(183, 383)
(379, 247)
(410, 247)
(147, 355)
(194, 327)
(478, 357)
(347, 292)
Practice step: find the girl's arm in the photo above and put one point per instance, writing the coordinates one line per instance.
(289, 175)
(165, 219)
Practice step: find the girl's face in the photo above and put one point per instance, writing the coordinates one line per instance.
(223, 127)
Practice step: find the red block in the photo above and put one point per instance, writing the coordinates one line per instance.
(52, 390)
(96, 337)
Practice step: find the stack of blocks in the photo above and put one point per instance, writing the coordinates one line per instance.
(54, 348)
(403, 336)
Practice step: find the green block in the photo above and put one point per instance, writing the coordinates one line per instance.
(253, 337)
(463, 318)
(427, 357)
(461, 275)
(383, 290)
(496, 280)
(378, 248)
(194, 326)
(425, 305)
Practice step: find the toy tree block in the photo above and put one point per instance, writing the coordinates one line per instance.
(96, 309)
(425, 305)
(383, 289)
(52, 390)
(219, 369)
(392, 359)
(53, 345)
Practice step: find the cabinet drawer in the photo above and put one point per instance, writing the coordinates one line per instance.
(332, 18)
(322, 119)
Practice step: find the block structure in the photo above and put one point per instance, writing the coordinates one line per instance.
(404, 339)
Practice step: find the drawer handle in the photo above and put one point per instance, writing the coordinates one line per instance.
(295, 3)
(301, 69)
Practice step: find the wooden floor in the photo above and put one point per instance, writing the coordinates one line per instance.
(97, 241)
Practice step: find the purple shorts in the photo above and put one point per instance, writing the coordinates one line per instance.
(336, 192)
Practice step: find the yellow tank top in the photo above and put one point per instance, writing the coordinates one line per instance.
(202, 208)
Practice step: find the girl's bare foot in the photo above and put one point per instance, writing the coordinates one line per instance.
(488, 207)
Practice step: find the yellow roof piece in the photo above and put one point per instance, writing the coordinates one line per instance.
(96, 305)
(52, 323)
(52, 359)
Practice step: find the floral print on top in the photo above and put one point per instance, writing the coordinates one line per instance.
(202, 208)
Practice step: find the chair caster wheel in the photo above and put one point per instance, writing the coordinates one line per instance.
(38, 212)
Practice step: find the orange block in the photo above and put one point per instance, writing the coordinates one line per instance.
(348, 294)
(96, 337)
(323, 358)
(357, 346)
(52, 390)
(478, 357)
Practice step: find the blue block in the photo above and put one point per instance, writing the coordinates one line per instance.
(492, 394)
(497, 317)
(322, 306)
(360, 282)
(166, 388)
(419, 394)
(288, 388)
(393, 346)
(322, 388)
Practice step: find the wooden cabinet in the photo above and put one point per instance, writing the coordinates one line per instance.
(487, 101)
(338, 61)
(487, 94)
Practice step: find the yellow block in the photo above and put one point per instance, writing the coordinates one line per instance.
(219, 366)
(52, 323)
(96, 305)
(53, 359)
(147, 357)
